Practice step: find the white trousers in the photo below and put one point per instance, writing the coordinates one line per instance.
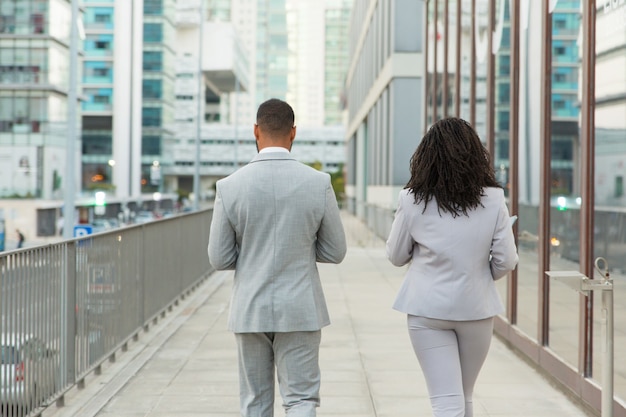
(451, 354)
(295, 355)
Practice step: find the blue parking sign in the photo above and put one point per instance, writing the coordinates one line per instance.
(82, 230)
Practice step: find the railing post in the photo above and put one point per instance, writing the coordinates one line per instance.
(68, 325)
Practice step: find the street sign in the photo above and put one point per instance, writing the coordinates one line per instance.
(82, 230)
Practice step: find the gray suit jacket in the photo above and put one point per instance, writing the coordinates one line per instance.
(272, 221)
(454, 261)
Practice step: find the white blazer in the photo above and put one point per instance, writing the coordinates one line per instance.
(454, 260)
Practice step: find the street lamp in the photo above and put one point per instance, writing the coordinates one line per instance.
(196, 173)
(72, 97)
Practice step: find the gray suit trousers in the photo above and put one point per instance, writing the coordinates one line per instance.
(295, 355)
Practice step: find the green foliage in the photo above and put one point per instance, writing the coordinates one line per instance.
(339, 184)
(56, 180)
(26, 196)
(182, 194)
(316, 165)
(100, 186)
(336, 178)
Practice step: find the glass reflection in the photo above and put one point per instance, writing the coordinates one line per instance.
(482, 55)
(565, 173)
(610, 171)
(452, 45)
(502, 80)
(529, 168)
(430, 63)
(466, 59)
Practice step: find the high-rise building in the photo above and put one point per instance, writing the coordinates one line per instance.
(248, 40)
(272, 50)
(262, 28)
(111, 110)
(157, 113)
(200, 101)
(305, 28)
(385, 89)
(297, 52)
(34, 83)
(336, 58)
(565, 86)
(128, 80)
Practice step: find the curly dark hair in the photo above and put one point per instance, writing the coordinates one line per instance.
(275, 116)
(452, 166)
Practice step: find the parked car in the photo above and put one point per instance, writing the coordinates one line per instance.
(28, 372)
(144, 217)
(102, 225)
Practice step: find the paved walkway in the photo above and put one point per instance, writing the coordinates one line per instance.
(186, 366)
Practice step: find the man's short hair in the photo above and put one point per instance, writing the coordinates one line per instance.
(275, 117)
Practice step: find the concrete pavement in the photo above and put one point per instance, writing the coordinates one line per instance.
(186, 365)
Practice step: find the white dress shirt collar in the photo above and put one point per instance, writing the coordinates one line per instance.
(274, 149)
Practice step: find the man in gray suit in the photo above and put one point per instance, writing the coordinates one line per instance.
(272, 221)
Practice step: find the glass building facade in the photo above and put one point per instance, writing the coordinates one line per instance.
(272, 50)
(110, 69)
(159, 76)
(34, 68)
(98, 86)
(337, 59)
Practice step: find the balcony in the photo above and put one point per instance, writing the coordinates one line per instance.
(224, 59)
(187, 13)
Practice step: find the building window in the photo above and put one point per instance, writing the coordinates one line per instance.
(153, 7)
(101, 99)
(97, 144)
(619, 186)
(152, 89)
(503, 149)
(7, 24)
(151, 145)
(37, 22)
(152, 61)
(102, 18)
(153, 32)
(22, 114)
(151, 116)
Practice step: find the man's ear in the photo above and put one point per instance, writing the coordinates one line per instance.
(256, 132)
(292, 135)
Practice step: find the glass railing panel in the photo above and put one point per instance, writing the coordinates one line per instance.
(610, 171)
(565, 185)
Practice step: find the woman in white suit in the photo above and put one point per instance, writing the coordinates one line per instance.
(453, 226)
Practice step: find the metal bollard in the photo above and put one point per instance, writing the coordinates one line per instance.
(607, 338)
(582, 284)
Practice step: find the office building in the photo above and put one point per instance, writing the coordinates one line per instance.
(336, 59)
(128, 81)
(225, 148)
(385, 90)
(317, 34)
(112, 68)
(200, 101)
(34, 81)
